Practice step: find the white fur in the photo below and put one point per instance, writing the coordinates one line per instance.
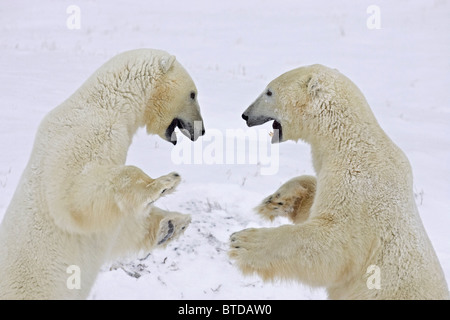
(77, 203)
(363, 213)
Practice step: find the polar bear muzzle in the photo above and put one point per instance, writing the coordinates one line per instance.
(277, 134)
(191, 129)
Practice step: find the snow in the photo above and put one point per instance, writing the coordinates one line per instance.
(232, 49)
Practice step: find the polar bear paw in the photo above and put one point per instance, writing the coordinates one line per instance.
(171, 227)
(292, 200)
(163, 185)
(255, 251)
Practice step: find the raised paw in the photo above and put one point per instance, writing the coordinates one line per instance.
(171, 227)
(162, 186)
(169, 182)
(292, 200)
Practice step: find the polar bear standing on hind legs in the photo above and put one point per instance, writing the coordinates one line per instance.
(77, 203)
(358, 213)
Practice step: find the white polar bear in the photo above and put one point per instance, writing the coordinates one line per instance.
(77, 204)
(356, 229)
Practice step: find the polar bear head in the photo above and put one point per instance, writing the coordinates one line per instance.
(163, 91)
(173, 103)
(307, 102)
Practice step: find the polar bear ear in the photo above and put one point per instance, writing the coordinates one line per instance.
(314, 85)
(166, 63)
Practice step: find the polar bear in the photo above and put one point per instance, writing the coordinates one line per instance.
(77, 204)
(357, 231)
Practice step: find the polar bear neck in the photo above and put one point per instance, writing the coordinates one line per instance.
(122, 95)
(347, 138)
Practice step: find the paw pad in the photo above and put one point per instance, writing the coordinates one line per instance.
(169, 233)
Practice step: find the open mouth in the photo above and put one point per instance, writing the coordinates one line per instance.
(171, 136)
(277, 133)
(190, 131)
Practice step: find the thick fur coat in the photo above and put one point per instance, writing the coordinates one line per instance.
(77, 204)
(357, 231)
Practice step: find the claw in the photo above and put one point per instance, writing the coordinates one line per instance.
(169, 234)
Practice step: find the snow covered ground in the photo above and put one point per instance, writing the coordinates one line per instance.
(232, 49)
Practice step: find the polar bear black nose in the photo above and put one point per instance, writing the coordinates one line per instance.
(244, 116)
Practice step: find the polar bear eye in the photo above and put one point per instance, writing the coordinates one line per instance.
(269, 93)
(193, 95)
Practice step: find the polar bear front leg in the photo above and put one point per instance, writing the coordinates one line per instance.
(135, 191)
(293, 200)
(142, 234)
(102, 196)
(306, 252)
(255, 253)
